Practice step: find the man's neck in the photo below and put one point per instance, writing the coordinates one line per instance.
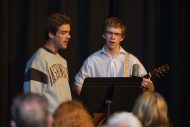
(51, 46)
(112, 52)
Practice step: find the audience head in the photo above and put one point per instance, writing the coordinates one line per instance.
(123, 119)
(151, 109)
(72, 114)
(30, 110)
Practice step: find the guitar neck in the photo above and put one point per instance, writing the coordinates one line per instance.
(160, 71)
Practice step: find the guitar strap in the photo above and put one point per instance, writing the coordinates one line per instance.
(126, 65)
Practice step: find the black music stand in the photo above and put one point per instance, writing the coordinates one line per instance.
(108, 95)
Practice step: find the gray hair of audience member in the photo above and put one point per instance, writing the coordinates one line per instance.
(123, 119)
(152, 110)
(30, 110)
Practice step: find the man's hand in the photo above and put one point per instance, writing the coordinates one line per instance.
(77, 89)
(147, 85)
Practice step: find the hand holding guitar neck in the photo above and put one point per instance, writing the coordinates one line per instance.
(147, 85)
(158, 72)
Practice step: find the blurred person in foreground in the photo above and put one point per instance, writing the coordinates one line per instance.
(72, 114)
(123, 119)
(152, 110)
(30, 110)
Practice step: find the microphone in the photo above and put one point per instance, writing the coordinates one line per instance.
(135, 70)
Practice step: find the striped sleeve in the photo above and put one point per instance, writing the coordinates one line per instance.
(35, 75)
(35, 81)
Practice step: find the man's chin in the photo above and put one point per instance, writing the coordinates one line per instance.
(64, 47)
(111, 47)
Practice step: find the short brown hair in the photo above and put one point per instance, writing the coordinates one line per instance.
(53, 21)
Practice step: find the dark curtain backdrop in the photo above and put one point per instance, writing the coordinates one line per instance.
(158, 33)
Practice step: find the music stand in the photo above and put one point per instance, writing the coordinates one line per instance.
(101, 95)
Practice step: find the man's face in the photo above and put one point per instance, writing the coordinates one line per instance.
(62, 36)
(113, 37)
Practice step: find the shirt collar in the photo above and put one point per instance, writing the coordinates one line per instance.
(48, 50)
(121, 50)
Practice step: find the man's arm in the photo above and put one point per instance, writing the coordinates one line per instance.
(35, 81)
(77, 88)
(84, 72)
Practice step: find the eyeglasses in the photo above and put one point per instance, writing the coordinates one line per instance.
(111, 33)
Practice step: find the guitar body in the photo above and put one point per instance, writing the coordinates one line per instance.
(99, 118)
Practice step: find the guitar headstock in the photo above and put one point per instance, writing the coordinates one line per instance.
(158, 72)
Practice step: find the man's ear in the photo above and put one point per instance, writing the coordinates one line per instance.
(123, 37)
(103, 36)
(51, 35)
(12, 123)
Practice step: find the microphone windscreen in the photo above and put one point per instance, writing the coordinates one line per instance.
(135, 70)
